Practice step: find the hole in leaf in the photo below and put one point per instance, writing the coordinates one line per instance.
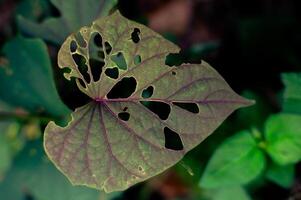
(123, 89)
(137, 60)
(173, 59)
(125, 116)
(108, 47)
(140, 169)
(148, 92)
(96, 68)
(159, 108)
(97, 39)
(80, 40)
(190, 107)
(73, 46)
(172, 140)
(112, 72)
(81, 82)
(174, 73)
(81, 65)
(135, 35)
(125, 108)
(119, 60)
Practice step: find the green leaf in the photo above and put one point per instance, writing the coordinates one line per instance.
(119, 138)
(33, 9)
(292, 93)
(8, 132)
(229, 193)
(237, 161)
(33, 175)
(5, 156)
(283, 135)
(27, 79)
(282, 175)
(74, 14)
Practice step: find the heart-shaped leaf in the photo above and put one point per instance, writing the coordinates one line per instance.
(144, 115)
(74, 14)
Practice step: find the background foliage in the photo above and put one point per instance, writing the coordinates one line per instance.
(255, 45)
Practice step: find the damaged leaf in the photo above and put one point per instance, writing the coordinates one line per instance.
(74, 14)
(142, 119)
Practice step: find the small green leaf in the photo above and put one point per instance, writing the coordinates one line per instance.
(283, 135)
(27, 79)
(292, 93)
(74, 14)
(282, 175)
(237, 161)
(121, 137)
(229, 193)
(32, 175)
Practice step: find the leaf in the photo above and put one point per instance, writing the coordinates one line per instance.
(237, 161)
(121, 138)
(229, 193)
(281, 175)
(74, 14)
(27, 79)
(292, 93)
(7, 141)
(33, 9)
(5, 156)
(32, 175)
(283, 135)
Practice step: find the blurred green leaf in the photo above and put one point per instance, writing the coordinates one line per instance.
(283, 135)
(292, 93)
(200, 50)
(5, 155)
(229, 193)
(237, 161)
(8, 132)
(32, 175)
(281, 175)
(74, 15)
(33, 9)
(27, 79)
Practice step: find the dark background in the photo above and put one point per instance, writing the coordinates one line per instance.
(249, 42)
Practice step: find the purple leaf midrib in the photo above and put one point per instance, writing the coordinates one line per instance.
(105, 135)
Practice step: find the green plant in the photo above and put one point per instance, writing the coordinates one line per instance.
(140, 108)
(271, 153)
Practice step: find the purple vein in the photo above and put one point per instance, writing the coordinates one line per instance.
(67, 135)
(84, 145)
(129, 129)
(105, 135)
(190, 84)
